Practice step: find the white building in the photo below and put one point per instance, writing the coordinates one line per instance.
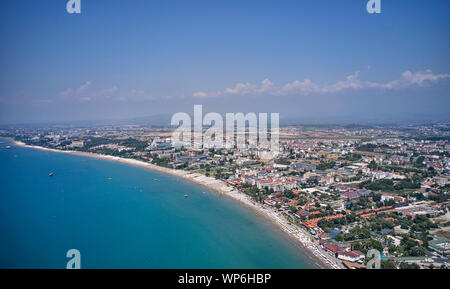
(351, 256)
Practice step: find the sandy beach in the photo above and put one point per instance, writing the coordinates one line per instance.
(298, 234)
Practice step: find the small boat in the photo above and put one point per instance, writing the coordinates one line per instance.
(156, 180)
(8, 147)
(50, 174)
(186, 195)
(110, 179)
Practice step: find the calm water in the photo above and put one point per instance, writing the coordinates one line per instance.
(131, 221)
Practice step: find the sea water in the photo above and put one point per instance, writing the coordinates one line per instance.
(123, 216)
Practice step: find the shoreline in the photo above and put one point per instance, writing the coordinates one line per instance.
(299, 235)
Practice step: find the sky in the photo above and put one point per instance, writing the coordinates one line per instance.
(310, 60)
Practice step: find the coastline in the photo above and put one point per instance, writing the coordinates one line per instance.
(299, 235)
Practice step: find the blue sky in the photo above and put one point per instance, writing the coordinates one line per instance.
(313, 60)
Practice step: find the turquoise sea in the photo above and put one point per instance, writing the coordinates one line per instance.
(130, 221)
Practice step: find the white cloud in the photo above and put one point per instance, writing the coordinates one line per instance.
(242, 88)
(70, 92)
(249, 88)
(107, 92)
(84, 92)
(422, 78)
(351, 82)
(266, 85)
(202, 94)
(66, 92)
(138, 92)
(84, 87)
(85, 98)
(305, 87)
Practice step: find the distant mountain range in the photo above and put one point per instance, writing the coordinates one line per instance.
(163, 120)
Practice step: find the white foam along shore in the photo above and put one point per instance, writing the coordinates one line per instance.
(299, 234)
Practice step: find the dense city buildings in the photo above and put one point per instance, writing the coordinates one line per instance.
(349, 188)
